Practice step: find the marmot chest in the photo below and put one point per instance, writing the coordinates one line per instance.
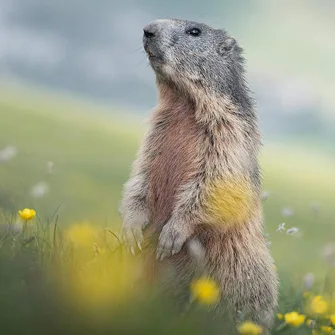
(176, 160)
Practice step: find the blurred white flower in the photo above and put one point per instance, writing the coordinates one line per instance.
(315, 208)
(265, 195)
(281, 227)
(286, 211)
(50, 167)
(292, 231)
(8, 153)
(196, 249)
(267, 241)
(309, 280)
(10, 228)
(39, 190)
(16, 228)
(329, 253)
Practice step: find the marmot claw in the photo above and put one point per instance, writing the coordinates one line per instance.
(132, 237)
(171, 240)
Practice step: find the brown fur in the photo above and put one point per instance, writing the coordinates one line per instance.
(174, 161)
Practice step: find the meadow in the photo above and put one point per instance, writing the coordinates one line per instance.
(67, 159)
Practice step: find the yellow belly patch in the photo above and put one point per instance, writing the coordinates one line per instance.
(230, 201)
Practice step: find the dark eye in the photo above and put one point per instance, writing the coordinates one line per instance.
(194, 32)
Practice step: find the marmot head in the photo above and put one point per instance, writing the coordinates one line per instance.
(186, 52)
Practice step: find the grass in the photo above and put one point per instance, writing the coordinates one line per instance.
(91, 157)
(92, 150)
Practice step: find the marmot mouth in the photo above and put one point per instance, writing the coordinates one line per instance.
(150, 54)
(154, 57)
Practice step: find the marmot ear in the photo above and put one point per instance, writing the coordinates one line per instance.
(227, 46)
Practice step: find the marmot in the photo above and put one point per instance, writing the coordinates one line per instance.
(197, 174)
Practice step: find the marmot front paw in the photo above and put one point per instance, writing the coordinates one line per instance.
(171, 239)
(132, 235)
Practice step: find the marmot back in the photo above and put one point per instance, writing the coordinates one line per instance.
(196, 176)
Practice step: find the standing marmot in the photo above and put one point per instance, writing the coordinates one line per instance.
(197, 173)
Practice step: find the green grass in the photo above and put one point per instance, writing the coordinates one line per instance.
(92, 149)
(91, 153)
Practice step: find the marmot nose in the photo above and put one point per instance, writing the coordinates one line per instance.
(149, 31)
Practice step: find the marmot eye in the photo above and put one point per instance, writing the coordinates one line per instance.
(194, 32)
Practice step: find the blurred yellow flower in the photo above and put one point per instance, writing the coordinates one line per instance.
(318, 305)
(332, 319)
(326, 330)
(294, 319)
(249, 328)
(229, 201)
(82, 234)
(280, 316)
(205, 290)
(27, 214)
(99, 282)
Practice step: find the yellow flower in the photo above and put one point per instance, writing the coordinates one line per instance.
(318, 305)
(27, 214)
(249, 328)
(332, 319)
(101, 284)
(205, 290)
(326, 330)
(294, 319)
(82, 235)
(229, 201)
(280, 316)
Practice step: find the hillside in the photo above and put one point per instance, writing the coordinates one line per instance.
(92, 151)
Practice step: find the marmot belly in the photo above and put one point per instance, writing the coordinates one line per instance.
(174, 164)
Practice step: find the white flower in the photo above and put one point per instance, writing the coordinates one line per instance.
(281, 227)
(265, 195)
(10, 228)
(309, 280)
(7, 153)
(196, 249)
(39, 190)
(329, 253)
(315, 208)
(286, 211)
(50, 167)
(292, 231)
(267, 241)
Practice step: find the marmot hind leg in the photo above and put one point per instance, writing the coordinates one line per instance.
(261, 311)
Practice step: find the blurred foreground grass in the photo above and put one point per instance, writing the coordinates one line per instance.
(91, 151)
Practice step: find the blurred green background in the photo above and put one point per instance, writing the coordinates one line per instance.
(75, 90)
